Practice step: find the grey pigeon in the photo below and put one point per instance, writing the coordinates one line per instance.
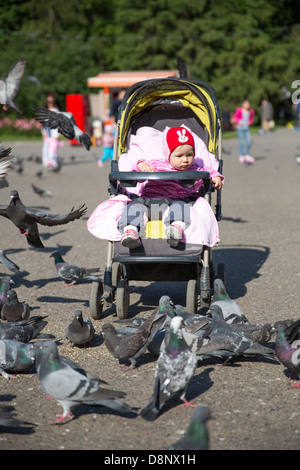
(242, 344)
(71, 273)
(196, 436)
(287, 347)
(8, 263)
(27, 219)
(71, 388)
(12, 79)
(174, 369)
(14, 310)
(5, 286)
(5, 165)
(130, 347)
(15, 356)
(129, 326)
(261, 333)
(165, 307)
(64, 122)
(79, 331)
(231, 310)
(24, 330)
(41, 192)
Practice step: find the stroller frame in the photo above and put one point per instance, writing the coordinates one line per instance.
(194, 103)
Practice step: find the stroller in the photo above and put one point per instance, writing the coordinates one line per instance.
(159, 103)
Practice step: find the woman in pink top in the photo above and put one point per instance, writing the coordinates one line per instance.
(243, 117)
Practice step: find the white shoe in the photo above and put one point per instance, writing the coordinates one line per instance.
(130, 238)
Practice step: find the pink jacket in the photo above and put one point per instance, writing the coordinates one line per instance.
(147, 145)
(238, 115)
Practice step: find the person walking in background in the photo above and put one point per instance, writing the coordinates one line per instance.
(243, 117)
(51, 142)
(108, 144)
(266, 117)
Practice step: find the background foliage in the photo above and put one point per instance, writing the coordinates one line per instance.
(248, 48)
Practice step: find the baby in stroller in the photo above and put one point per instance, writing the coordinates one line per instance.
(186, 217)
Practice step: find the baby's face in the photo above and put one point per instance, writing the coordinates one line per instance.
(182, 157)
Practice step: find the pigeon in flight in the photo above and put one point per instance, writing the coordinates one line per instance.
(11, 80)
(71, 273)
(27, 219)
(8, 263)
(71, 388)
(5, 165)
(64, 122)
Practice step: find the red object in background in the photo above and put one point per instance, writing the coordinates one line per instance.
(78, 105)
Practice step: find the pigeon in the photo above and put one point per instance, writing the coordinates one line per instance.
(287, 346)
(5, 286)
(165, 307)
(130, 347)
(15, 356)
(231, 311)
(241, 344)
(5, 165)
(41, 192)
(8, 263)
(174, 369)
(79, 331)
(64, 122)
(27, 219)
(71, 388)
(24, 330)
(13, 310)
(71, 273)
(196, 436)
(261, 333)
(12, 79)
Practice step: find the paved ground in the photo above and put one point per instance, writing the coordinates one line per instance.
(252, 403)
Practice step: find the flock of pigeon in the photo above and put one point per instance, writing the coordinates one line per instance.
(178, 339)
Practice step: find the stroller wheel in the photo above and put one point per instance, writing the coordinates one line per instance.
(116, 274)
(122, 299)
(192, 296)
(96, 300)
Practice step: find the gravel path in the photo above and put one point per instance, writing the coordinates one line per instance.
(252, 404)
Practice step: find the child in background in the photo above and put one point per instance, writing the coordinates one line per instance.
(108, 144)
